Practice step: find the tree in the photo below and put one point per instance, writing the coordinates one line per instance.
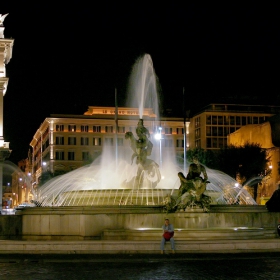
(206, 157)
(247, 161)
(46, 176)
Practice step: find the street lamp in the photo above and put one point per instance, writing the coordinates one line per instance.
(15, 200)
(19, 196)
(27, 186)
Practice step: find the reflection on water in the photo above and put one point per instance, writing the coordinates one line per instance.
(217, 266)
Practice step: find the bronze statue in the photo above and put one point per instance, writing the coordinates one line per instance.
(196, 169)
(192, 188)
(273, 204)
(142, 147)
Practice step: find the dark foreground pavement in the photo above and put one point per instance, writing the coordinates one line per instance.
(141, 266)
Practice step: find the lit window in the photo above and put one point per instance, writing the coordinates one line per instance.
(96, 141)
(72, 127)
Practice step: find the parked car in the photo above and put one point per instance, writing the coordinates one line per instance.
(24, 205)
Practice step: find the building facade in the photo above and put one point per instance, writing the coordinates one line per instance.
(66, 142)
(266, 137)
(6, 50)
(210, 127)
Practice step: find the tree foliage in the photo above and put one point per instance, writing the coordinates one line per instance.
(206, 157)
(247, 161)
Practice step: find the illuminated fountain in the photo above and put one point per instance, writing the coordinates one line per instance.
(134, 175)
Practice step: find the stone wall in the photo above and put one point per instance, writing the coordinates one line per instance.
(10, 227)
(89, 223)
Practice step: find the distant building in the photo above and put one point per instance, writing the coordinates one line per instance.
(21, 187)
(7, 197)
(65, 142)
(267, 135)
(210, 127)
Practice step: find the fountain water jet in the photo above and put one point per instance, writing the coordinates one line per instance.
(105, 182)
(143, 86)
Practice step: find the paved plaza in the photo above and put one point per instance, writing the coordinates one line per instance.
(183, 266)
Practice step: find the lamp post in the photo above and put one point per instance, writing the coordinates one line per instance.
(19, 196)
(15, 200)
(28, 186)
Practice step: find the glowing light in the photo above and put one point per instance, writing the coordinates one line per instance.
(157, 136)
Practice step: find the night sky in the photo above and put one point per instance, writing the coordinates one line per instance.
(66, 59)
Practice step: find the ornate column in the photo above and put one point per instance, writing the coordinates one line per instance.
(6, 48)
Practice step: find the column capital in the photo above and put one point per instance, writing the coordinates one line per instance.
(3, 85)
(6, 47)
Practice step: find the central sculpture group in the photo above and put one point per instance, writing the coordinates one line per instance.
(148, 173)
(192, 187)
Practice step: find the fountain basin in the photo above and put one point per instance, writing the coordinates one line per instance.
(240, 233)
(90, 223)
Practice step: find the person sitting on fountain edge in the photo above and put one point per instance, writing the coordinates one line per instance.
(168, 235)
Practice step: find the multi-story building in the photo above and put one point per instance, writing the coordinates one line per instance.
(65, 142)
(217, 125)
(268, 137)
(22, 182)
(210, 127)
